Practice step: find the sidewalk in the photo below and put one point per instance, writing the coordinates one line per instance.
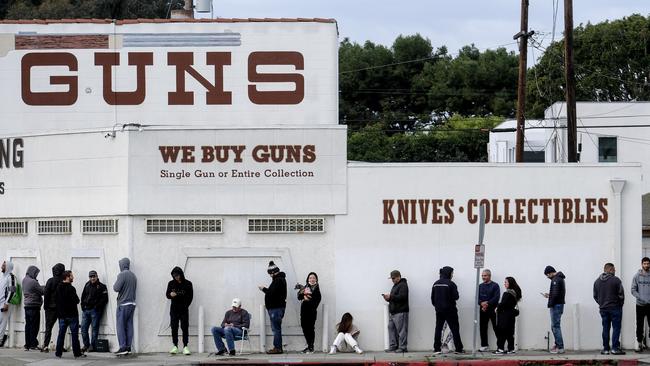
(18, 357)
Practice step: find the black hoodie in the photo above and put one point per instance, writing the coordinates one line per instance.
(444, 292)
(184, 291)
(608, 291)
(94, 296)
(558, 290)
(52, 284)
(275, 296)
(66, 301)
(399, 298)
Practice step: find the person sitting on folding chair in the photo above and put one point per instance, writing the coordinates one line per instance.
(232, 328)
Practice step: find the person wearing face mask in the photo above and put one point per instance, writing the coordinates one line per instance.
(310, 297)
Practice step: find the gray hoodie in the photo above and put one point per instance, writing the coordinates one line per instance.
(125, 284)
(7, 284)
(641, 287)
(608, 291)
(32, 290)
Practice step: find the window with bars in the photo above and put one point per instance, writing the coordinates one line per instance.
(54, 227)
(184, 226)
(13, 227)
(286, 225)
(99, 226)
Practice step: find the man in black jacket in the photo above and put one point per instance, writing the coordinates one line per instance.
(398, 309)
(444, 294)
(66, 311)
(609, 294)
(49, 303)
(94, 298)
(555, 297)
(180, 292)
(275, 300)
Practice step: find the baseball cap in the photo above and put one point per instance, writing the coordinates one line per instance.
(236, 302)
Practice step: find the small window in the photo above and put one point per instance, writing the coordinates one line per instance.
(54, 227)
(184, 226)
(286, 225)
(607, 150)
(13, 227)
(534, 156)
(99, 226)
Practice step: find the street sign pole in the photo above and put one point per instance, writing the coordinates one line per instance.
(479, 262)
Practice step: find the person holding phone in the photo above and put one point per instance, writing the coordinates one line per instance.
(555, 298)
(398, 309)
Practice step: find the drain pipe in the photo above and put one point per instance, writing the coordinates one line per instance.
(386, 318)
(262, 329)
(576, 327)
(326, 322)
(201, 330)
(617, 188)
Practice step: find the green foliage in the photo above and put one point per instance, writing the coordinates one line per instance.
(611, 60)
(101, 9)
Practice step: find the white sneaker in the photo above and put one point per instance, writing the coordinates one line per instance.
(332, 350)
(358, 350)
(484, 349)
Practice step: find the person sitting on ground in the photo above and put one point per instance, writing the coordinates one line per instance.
(231, 328)
(346, 337)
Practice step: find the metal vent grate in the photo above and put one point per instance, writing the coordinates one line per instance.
(99, 226)
(54, 227)
(286, 225)
(13, 227)
(184, 226)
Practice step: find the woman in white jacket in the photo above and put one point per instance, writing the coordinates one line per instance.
(346, 337)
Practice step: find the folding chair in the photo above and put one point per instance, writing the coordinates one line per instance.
(245, 337)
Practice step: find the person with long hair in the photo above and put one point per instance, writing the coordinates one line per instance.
(346, 337)
(507, 313)
(310, 297)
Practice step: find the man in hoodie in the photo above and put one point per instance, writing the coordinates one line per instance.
(608, 293)
(7, 289)
(398, 310)
(180, 292)
(33, 299)
(275, 300)
(94, 298)
(641, 291)
(50, 302)
(555, 296)
(444, 294)
(66, 311)
(125, 286)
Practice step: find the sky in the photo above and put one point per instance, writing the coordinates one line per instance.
(456, 23)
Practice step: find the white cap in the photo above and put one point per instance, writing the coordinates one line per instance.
(236, 302)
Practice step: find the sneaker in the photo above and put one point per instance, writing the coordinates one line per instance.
(45, 350)
(274, 351)
(121, 352)
(604, 352)
(617, 352)
(84, 349)
(390, 350)
(512, 352)
(174, 350)
(80, 356)
(220, 353)
(358, 350)
(499, 352)
(4, 340)
(399, 350)
(232, 352)
(438, 352)
(460, 352)
(332, 350)
(484, 349)
(554, 350)
(186, 351)
(307, 351)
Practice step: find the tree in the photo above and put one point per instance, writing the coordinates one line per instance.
(612, 60)
(102, 9)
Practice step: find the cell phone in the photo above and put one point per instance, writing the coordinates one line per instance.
(543, 294)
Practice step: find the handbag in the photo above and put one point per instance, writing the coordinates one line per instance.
(516, 310)
(18, 293)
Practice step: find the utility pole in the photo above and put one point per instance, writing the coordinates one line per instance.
(522, 36)
(569, 76)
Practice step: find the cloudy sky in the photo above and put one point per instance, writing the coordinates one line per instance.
(486, 23)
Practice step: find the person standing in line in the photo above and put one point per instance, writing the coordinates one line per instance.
(310, 298)
(125, 286)
(180, 292)
(555, 297)
(507, 313)
(49, 303)
(444, 294)
(94, 298)
(33, 294)
(232, 327)
(7, 290)
(275, 300)
(641, 291)
(398, 309)
(66, 311)
(346, 337)
(488, 299)
(610, 296)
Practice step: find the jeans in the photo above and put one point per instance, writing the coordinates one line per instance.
(64, 323)
(556, 316)
(50, 320)
(612, 318)
(276, 316)
(125, 325)
(230, 333)
(451, 317)
(398, 331)
(32, 323)
(642, 313)
(485, 318)
(183, 317)
(90, 317)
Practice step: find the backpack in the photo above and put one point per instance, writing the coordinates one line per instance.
(18, 293)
